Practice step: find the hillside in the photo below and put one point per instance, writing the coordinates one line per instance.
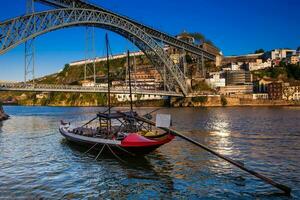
(287, 72)
(73, 74)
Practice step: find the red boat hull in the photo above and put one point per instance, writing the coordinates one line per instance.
(133, 143)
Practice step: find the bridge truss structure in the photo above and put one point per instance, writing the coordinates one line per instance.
(78, 13)
(155, 34)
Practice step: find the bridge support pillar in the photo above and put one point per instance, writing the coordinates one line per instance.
(29, 49)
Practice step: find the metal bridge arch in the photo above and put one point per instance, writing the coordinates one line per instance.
(15, 31)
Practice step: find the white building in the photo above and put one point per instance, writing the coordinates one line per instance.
(88, 83)
(279, 54)
(101, 59)
(43, 95)
(236, 89)
(261, 96)
(135, 97)
(291, 93)
(259, 64)
(234, 66)
(215, 80)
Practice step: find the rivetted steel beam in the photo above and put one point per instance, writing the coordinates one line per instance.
(158, 35)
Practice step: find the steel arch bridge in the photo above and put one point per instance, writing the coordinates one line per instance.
(18, 30)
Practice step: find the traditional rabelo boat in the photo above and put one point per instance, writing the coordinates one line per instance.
(127, 132)
(116, 131)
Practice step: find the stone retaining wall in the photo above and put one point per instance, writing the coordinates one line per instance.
(3, 116)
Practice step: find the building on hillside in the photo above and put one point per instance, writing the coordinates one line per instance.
(212, 49)
(186, 38)
(43, 95)
(176, 54)
(239, 77)
(275, 90)
(22, 97)
(135, 97)
(241, 59)
(88, 83)
(102, 59)
(237, 83)
(294, 59)
(261, 85)
(291, 91)
(216, 80)
(259, 64)
(260, 96)
(279, 54)
(145, 77)
(236, 90)
(145, 72)
(140, 84)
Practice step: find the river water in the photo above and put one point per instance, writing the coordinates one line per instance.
(37, 162)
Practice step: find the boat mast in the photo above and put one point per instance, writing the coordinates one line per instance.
(129, 77)
(108, 73)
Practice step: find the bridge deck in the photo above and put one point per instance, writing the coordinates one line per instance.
(80, 89)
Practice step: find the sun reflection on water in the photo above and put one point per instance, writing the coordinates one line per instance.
(220, 139)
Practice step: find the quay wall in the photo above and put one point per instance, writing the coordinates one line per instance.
(219, 101)
(3, 116)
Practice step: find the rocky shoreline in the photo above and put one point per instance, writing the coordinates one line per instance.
(3, 116)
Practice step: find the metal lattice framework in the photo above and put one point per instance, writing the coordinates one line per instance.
(18, 30)
(155, 34)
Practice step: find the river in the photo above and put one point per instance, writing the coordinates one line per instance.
(37, 162)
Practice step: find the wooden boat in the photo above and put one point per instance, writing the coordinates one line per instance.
(129, 136)
(118, 132)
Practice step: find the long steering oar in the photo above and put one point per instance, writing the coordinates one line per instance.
(283, 188)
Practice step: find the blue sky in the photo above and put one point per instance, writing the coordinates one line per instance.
(236, 26)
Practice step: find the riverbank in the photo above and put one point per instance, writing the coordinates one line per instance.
(3, 115)
(222, 101)
(99, 100)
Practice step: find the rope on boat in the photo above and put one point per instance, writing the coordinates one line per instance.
(100, 152)
(115, 154)
(132, 154)
(90, 121)
(91, 148)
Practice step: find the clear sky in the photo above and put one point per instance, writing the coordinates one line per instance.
(235, 26)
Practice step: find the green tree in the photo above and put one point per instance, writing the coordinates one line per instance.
(293, 71)
(260, 51)
(199, 37)
(298, 49)
(201, 99)
(223, 100)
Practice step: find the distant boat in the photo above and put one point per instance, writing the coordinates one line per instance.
(117, 132)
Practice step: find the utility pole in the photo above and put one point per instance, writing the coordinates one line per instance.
(90, 55)
(29, 47)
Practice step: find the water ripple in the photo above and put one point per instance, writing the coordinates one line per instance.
(36, 162)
